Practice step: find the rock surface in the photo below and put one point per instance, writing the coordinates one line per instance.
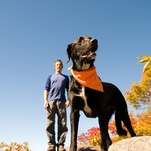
(138, 143)
(87, 148)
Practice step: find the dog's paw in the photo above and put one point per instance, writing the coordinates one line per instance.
(122, 132)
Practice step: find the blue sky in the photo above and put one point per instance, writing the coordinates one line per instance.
(34, 33)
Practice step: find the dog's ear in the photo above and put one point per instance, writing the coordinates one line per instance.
(68, 51)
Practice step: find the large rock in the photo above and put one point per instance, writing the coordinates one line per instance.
(86, 148)
(138, 143)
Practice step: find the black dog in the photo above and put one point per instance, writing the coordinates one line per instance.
(94, 103)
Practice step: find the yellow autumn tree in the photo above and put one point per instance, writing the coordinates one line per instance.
(13, 146)
(140, 93)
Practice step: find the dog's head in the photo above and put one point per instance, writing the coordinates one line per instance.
(82, 51)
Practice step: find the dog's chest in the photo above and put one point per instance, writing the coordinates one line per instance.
(86, 107)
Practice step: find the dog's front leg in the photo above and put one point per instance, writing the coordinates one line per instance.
(74, 121)
(103, 131)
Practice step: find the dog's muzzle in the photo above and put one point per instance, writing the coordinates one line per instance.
(88, 54)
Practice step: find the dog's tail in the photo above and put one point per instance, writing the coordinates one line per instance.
(120, 130)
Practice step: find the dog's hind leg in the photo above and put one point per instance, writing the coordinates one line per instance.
(74, 121)
(120, 130)
(123, 113)
(127, 123)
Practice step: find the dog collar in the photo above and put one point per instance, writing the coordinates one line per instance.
(88, 78)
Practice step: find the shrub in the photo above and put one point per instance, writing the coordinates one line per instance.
(14, 146)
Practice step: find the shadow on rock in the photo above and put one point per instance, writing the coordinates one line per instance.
(88, 149)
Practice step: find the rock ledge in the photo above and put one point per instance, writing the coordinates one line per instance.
(138, 143)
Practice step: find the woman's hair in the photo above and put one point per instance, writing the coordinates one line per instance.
(58, 60)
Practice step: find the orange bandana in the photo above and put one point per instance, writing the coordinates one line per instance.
(88, 78)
